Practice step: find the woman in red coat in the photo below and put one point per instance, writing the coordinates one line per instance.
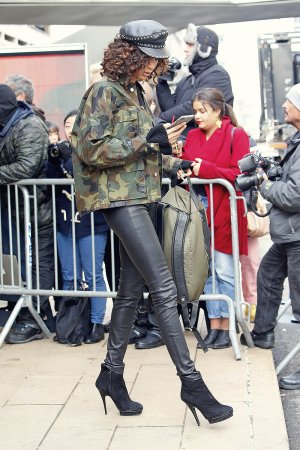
(217, 151)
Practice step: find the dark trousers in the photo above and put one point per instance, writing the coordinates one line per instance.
(45, 260)
(281, 261)
(143, 261)
(45, 275)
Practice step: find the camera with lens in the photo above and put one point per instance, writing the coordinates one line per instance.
(53, 151)
(174, 66)
(62, 150)
(250, 165)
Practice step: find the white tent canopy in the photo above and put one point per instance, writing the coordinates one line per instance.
(172, 13)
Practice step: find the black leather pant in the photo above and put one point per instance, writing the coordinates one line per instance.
(142, 260)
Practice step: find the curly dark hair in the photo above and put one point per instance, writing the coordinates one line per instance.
(122, 60)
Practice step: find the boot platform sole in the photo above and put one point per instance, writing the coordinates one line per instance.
(131, 413)
(221, 417)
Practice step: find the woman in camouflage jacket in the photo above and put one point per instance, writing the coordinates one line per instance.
(117, 168)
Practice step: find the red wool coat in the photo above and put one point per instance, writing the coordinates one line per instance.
(219, 160)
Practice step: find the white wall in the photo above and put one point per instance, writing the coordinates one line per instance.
(238, 53)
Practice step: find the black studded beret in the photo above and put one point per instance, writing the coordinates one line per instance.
(149, 36)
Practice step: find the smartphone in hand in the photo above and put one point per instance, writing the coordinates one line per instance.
(182, 119)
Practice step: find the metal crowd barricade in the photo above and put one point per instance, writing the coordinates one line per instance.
(25, 289)
(11, 282)
(234, 305)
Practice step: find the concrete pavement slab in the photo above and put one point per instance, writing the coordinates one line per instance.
(24, 426)
(50, 392)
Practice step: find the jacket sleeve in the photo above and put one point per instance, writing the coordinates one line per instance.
(285, 195)
(167, 103)
(94, 139)
(171, 165)
(30, 144)
(239, 148)
(165, 98)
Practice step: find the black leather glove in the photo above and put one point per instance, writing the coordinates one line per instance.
(185, 164)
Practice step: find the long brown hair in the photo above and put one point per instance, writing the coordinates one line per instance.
(123, 59)
(214, 98)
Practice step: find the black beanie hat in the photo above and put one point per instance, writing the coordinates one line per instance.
(8, 104)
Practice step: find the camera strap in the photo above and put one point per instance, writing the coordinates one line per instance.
(288, 155)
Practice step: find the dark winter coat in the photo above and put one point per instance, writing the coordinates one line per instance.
(23, 151)
(204, 73)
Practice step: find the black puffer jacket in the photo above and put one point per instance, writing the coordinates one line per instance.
(23, 151)
(204, 73)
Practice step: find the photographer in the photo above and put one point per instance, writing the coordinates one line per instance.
(200, 56)
(283, 258)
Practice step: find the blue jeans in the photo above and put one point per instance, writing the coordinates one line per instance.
(84, 263)
(224, 281)
(224, 284)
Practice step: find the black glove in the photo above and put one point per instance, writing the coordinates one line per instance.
(185, 164)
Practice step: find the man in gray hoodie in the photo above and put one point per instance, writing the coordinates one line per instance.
(283, 258)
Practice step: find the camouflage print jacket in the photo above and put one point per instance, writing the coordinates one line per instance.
(113, 164)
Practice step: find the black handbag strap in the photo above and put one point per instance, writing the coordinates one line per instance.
(206, 230)
(178, 256)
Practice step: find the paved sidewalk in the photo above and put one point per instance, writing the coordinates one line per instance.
(49, 401)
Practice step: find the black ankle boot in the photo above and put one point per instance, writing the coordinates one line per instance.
(112, 384)
(210, 338)
(196, 394)
(96, 334)
(136, 334)
(222, 341)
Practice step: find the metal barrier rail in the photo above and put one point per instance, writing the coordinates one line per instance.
(295, 349)
(26, 291)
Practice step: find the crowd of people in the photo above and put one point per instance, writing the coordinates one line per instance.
(115, 146)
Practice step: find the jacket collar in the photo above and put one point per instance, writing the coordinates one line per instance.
(200, 65)
(23, 110)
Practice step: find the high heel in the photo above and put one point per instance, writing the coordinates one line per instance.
(111, 384)
(103, 395)
(193, 409)
(195, 394)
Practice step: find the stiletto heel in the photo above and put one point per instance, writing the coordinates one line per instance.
(111, 384)
(103, 395)
(196, 394)
(193, 409)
